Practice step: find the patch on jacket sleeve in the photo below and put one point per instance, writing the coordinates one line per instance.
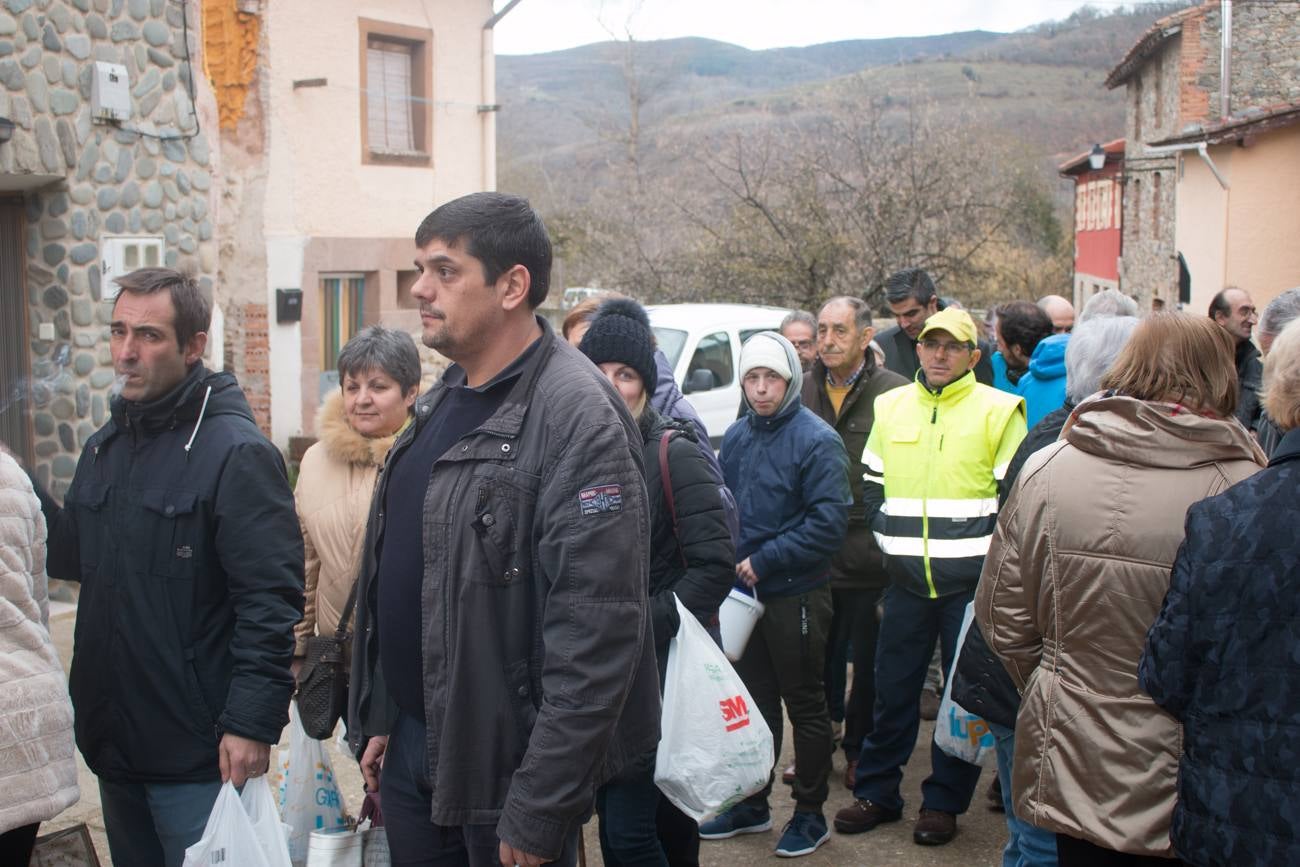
(602, 498)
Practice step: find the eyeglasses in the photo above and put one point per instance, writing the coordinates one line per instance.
(803, 344)
(947, 347)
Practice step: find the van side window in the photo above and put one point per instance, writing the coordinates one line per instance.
(713, 353)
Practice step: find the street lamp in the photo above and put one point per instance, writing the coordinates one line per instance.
(1096, 157)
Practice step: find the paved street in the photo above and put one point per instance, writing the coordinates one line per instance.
(979, 842)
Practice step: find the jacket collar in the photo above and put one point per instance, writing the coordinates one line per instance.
(508, 420)
(342, 442)
(950, 393)
(1288, 449)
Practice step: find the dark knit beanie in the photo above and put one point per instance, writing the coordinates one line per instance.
(620, 331)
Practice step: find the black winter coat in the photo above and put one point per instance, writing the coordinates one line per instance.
(1223, 657)
(697, 562)
(980, 683)
(180, 526)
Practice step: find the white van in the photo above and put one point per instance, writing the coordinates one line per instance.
(702, 343)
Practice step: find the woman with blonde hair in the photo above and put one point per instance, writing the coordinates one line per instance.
(1223, 657)
(1077, 571)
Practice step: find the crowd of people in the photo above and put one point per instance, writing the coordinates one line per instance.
(1110, 502)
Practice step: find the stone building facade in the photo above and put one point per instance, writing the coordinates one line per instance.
(81, 199)
(1173, 79)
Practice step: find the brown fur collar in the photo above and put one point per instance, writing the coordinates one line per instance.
(342, 442)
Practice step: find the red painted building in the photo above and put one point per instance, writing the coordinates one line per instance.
(1098, 218)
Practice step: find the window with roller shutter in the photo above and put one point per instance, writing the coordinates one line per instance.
(396, 121)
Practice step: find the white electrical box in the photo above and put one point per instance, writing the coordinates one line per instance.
(110, 92)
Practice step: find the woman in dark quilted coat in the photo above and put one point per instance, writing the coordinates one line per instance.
(691, 555)
(1223, 657)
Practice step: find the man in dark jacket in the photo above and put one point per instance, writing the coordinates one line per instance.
(1235, 312)
(913, 299)
(180, 526)
(503, 666)
(789, 472)
(841, 389)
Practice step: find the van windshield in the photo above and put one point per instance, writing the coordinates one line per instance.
(671, 341)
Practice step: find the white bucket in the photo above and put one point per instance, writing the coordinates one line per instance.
(337, 848)
(736, 619)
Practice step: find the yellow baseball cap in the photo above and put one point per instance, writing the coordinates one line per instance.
(956, 322)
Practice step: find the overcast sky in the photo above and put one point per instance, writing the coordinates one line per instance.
(550, 25)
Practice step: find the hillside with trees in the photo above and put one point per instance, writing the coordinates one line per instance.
(690, 169)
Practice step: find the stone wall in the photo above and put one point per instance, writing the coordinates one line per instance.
(150, 175)
(1148, 264)
(1265, 64)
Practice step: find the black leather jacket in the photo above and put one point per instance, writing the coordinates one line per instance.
(539, 668)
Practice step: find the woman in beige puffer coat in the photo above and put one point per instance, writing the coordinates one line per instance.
(1077, 572)
(38, 768)
(379, 378)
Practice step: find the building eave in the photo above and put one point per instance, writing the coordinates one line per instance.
(1079, 164)
(1150, 42)
(1235, 129)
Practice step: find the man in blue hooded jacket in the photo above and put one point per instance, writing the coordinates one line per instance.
(1043, 385)
(789, 472)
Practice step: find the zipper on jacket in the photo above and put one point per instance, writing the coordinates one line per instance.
(925, 507)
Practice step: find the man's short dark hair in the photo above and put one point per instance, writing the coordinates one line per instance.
(1219, 305)
(1023, 324)
(193, 308)
(499, 230)
(379, 348)
(911, 283)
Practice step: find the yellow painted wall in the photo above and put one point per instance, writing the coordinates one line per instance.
(1249, 234)
(1201, 225)
(1264, 216)
(317, 184)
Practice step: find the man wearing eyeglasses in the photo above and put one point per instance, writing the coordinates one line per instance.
(800, 328)
(936, 454)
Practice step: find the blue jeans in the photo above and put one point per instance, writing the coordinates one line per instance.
(907, 635)
(1027, 846)
(154, 823)
(413, 838)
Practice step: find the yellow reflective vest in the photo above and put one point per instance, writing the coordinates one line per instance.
(933, 463)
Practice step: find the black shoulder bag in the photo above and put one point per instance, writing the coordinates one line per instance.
(323, 682)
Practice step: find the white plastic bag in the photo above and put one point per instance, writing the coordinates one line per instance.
(271, 833)
(310, 799)
(963, 735)
(364, 847)
(228, 838)
(715, 749)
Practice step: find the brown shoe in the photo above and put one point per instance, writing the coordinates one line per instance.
(929, 705)
(787, 776)
(934, 828)
(994, 795)
(850, 774)
(862, 816)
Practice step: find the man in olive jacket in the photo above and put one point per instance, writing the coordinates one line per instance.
(842, 388)
(503, 666)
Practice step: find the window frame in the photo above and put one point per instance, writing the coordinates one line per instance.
(420, 42)
(113, 256)
(351, 300)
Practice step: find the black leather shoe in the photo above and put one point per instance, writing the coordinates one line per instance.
(861, 816)
(934, 828)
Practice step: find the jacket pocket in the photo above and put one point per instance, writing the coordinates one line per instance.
(89, 502)
(174, 541)
(519, 682)
(502, 534)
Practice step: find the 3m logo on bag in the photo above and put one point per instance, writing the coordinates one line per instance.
(735, 713)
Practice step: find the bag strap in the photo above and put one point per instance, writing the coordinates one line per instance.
(666, 479)
(341, 633)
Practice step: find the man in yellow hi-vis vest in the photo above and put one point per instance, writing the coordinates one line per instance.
(935, 457)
